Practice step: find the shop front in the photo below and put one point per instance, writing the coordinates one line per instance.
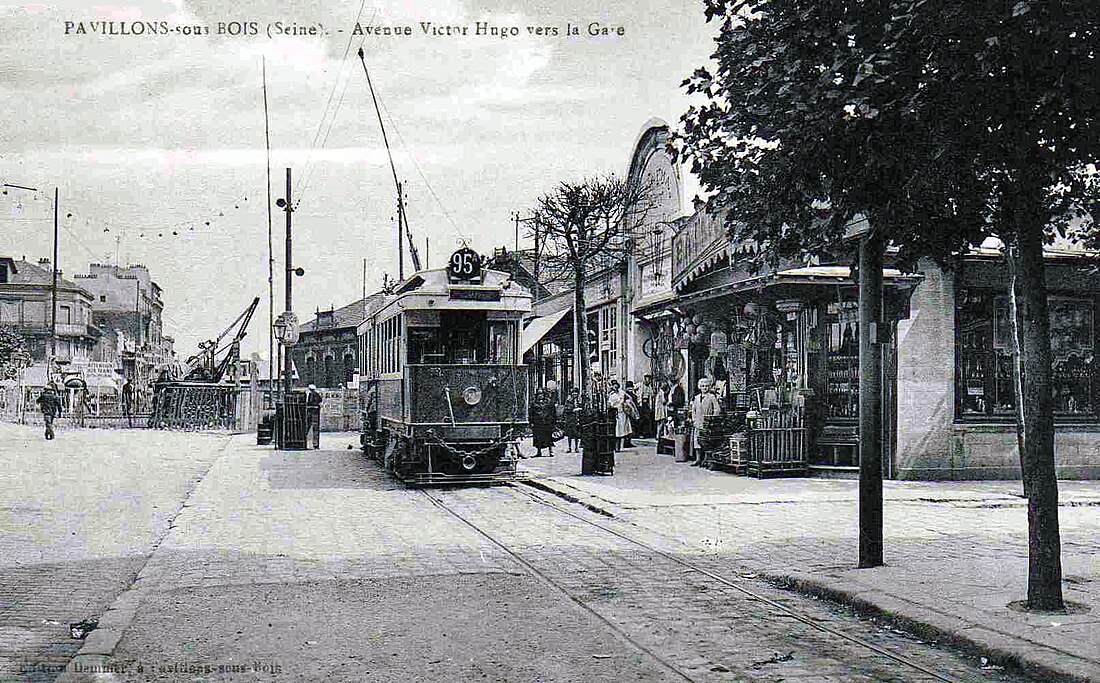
(782, 347)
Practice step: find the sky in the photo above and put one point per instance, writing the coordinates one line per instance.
(156, 142)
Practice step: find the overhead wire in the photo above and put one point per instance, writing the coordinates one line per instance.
(299, 190)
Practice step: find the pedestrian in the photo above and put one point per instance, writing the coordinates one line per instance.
(633, 413)
(313, 405)
(543, 414)
(128, 402)
(660, 411)
(81, 407)
(616, 402)
(704, 405)
(647, 406)
(572, 420)
(50, 406)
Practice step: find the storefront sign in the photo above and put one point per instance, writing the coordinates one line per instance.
(694, 241)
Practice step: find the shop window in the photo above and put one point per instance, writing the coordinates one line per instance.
(609, 338)
(986, 352)
(842, 361)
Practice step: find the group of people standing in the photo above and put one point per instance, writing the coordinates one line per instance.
(643, 411)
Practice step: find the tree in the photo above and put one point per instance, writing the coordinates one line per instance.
(582, 228)
(942, 123)
(13, 353)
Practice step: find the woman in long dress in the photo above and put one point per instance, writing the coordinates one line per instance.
(543, 415)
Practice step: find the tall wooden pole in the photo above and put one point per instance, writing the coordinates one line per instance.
(271, 361)
(287, 361)
(53, 287)
(870, 401)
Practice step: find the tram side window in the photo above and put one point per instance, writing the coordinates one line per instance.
(390, 345)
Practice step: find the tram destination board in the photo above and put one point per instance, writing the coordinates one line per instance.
(474, 294)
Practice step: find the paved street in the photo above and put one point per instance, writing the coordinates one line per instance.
(208, 558)
(79, 516)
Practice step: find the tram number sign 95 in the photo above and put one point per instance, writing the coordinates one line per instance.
(464, 265)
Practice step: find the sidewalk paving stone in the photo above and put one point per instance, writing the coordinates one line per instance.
(956, 552)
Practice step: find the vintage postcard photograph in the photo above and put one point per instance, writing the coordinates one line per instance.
(513, 340)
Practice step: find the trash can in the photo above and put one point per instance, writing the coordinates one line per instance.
(291, 423)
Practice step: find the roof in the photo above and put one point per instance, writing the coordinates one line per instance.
(350, 315)
(26, 273)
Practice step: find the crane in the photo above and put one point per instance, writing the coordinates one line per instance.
(203, 366)
(402, 222)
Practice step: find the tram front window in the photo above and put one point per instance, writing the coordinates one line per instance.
(460, 339)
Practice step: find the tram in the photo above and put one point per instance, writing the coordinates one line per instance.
(445, 397)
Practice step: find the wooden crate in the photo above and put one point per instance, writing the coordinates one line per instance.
(739, 453)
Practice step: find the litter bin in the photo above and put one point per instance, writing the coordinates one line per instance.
(265, 428)
(291, 423)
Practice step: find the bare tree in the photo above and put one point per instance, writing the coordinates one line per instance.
(582, 229)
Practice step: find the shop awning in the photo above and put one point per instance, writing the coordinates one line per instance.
(102, 383)
(538, 328)
(806, 275)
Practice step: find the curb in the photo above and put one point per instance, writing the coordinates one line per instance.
(564, 495)
(1000, 648)
(93, 661)
(1003, 649)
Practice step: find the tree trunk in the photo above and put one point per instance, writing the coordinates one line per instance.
(870, 402)
(1044, 584)
(580, 324)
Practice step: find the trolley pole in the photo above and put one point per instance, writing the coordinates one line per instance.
(287, 362)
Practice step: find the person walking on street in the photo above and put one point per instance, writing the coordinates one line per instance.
(703, 406)
(313, 405)
(50, 405)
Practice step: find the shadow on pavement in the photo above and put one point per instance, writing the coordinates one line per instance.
(326, 469)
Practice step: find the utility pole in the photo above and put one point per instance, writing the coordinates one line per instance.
(516, 216)
(871, 333)
(53, 288)
(271, 361)
(287, 361)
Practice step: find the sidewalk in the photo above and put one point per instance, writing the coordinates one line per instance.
(956, 552)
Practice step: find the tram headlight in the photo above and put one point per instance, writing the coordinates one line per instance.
(471, 395)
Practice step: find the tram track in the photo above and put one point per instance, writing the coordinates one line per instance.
(529, 492)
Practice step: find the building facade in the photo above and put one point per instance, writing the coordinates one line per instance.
(783, 342)
(26, 306)
(327, 352)
(127, 306)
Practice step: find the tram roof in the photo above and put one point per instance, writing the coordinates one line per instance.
(433, 290)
